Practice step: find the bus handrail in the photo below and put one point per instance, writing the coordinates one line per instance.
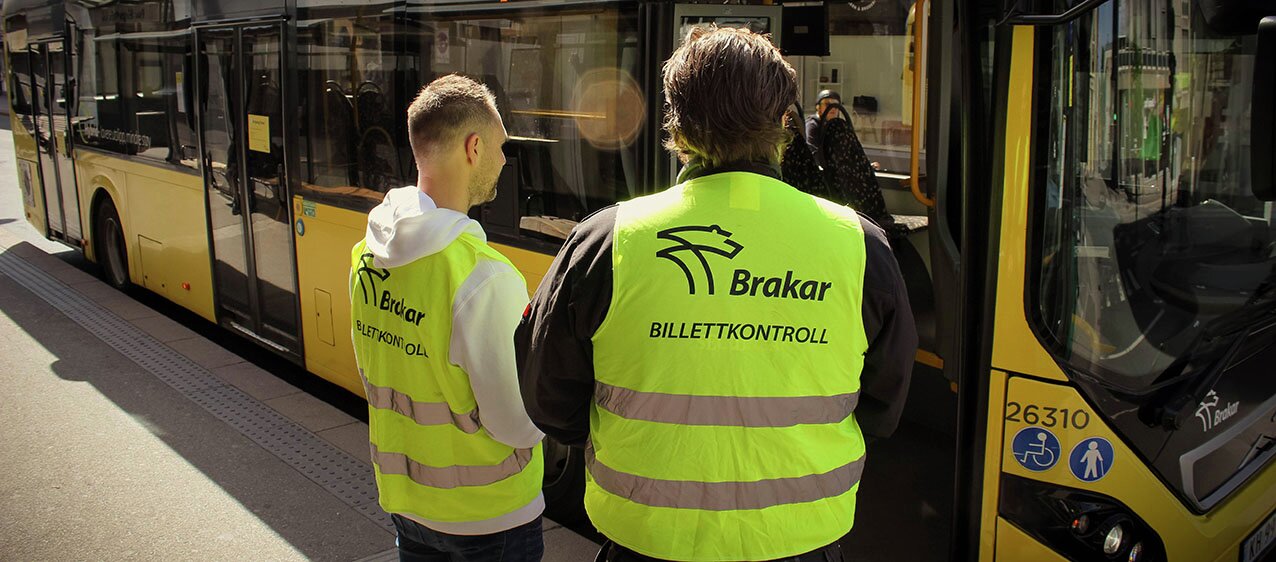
(914, 159)
(1052, 19)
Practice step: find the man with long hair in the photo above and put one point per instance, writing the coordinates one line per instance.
(718, 347)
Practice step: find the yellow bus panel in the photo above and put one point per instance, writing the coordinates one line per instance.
(1015, 347)
(324, 235)
(162, 213)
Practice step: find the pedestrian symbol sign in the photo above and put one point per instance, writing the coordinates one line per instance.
(1091, 459)
(1036, 448)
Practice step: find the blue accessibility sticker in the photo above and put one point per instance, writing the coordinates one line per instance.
(1091, 459)
(1036, 448)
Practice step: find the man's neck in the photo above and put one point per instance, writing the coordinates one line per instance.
(444, 198)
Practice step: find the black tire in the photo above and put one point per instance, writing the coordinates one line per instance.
(564, 483)
(110, 246)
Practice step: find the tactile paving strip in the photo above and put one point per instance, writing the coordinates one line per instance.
(340, 474)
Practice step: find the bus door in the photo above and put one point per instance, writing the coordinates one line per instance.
(242, 125)
(53, 97)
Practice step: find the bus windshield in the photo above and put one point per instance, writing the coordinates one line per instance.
(1150, 230)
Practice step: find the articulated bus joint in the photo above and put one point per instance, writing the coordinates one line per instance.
(1079, 524)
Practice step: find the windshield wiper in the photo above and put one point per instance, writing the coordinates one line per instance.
(1213, 351)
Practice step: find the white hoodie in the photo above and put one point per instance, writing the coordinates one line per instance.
(407, 226)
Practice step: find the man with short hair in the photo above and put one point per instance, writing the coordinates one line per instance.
(433, 308)
(827, 107)
(717, 347)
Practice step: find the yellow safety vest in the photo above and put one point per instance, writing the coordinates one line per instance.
(432, 457)
(727, 370)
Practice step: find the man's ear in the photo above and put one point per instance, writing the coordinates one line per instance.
(472, 148)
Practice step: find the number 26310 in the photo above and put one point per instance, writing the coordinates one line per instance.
(1046, 416)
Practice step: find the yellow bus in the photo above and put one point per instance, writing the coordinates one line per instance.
(1092, 278)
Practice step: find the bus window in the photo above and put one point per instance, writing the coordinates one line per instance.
(870, 66)
(20, 91)
(353, 145)
(1157, 263)
(1150, 232)
(133, 97)
(564, 85)
(156, 94)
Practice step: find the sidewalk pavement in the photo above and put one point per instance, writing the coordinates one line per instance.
(124, 435)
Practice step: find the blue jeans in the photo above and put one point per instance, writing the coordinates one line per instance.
(525, 543)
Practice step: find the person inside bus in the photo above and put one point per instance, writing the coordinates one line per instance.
(720, 348)
(433, 306)
(828, 106)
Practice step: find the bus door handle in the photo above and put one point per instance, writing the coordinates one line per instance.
(914, 156)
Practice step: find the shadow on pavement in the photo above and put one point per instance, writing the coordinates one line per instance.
(299, 511)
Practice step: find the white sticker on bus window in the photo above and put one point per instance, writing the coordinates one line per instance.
(259, 133)
(442, 47)
(28, 183)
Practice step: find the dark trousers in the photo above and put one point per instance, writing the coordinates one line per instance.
(525, 543)
(617, 553)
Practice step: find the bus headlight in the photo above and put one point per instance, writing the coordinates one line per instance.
(1112, 541)
(1079, 524)
(1136, 552)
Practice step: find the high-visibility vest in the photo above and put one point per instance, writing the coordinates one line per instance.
(727, 369)
(431, 454)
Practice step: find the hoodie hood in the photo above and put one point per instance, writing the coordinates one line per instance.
(408, 226)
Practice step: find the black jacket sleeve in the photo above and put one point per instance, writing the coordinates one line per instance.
(892, 337)
(553, 342)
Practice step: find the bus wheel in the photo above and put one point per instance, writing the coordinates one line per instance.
(109, 244)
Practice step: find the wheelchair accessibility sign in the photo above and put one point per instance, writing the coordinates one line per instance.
(1036, 448)
(1091, 459)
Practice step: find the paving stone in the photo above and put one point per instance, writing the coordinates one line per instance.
(310, 412)
(72, 276)
(47, 262)
(8, 240)
(26, 250)
(96, 290)
(255, 381)
(127, 308)
(163, 329)
(351, 438)
(563, 545)
(205, 353)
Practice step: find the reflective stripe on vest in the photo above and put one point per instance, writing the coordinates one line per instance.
(447, 477)
(723, 496)
(737, 411)
(423, 413)
(727, 372)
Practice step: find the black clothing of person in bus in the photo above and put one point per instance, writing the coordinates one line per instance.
(815, 125)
